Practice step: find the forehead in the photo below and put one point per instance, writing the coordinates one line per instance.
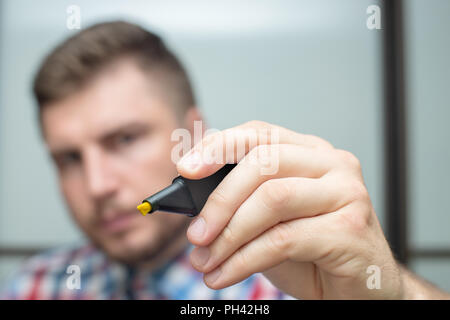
(117, 96)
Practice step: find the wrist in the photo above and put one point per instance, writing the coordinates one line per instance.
(415, 288)
(409, 287)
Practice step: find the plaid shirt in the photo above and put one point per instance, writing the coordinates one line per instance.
(45, 276)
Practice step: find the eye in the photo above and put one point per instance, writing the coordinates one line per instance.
(68, 159)
(125, 139)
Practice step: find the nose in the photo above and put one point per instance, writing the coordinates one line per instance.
(101, 181)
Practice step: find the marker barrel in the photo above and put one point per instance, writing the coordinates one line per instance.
(187, 196)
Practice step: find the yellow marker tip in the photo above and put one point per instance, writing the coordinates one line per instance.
(144, 208)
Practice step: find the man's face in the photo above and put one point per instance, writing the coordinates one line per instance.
(111, 144)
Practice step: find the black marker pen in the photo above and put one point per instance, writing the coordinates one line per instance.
(184, 196)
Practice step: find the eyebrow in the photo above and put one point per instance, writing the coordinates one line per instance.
(58, 153)
(135, 126)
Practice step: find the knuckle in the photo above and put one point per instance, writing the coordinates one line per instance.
(357, 191)
(261, 130)
(241, 260)
(275, 194)
(227, 235)
(258, 152)
(256, 124)
(349, 159)
(356, 221)
(279, 238)
(218, 199)
(320, 142)
(260, 156)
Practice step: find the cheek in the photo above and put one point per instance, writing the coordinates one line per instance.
(150, 168)
(159, 151)
(161, 226)
(151, 176)
(75, 197)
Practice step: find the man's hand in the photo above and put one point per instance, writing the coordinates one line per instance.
(309, 226)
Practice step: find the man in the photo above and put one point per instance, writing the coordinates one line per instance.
(109, 99)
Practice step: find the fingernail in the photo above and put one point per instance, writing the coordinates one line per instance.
(191, 160)
(197, 228)
(211, 277)
(200, 256)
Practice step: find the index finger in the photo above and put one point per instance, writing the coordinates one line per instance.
(231, 145)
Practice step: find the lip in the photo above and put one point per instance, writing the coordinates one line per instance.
(119, 222)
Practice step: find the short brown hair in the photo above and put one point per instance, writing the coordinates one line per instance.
(74, 62)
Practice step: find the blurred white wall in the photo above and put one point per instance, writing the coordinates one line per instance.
(311, 66)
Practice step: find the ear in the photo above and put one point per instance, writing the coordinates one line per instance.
(193, 114)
